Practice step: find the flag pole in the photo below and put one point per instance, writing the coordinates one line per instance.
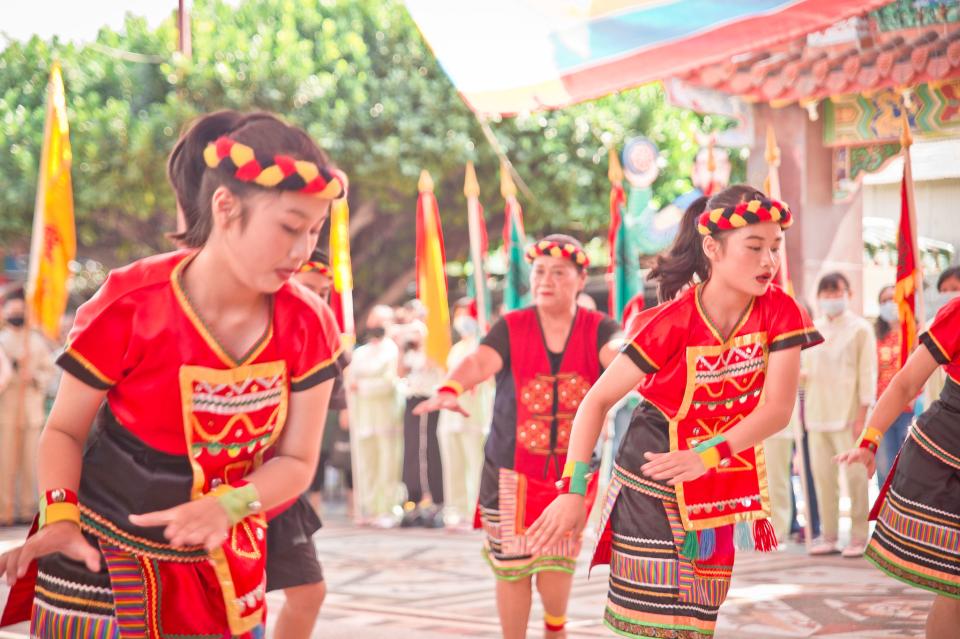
(906, 141)
(471, 189)
(617, 200)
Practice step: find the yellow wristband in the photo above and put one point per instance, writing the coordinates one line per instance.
(710, 457)
(61, 512)
(871, 435)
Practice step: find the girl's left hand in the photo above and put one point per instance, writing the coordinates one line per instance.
(200, 522)
(676, 467)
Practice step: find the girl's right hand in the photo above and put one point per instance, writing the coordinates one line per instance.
(564, 516)
(859, 456)
(63, 537)
(440, 401)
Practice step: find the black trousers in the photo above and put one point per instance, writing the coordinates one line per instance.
(421, 454)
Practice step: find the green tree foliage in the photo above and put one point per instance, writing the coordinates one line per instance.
(355, 73)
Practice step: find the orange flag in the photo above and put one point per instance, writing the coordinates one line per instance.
(431, 273)
(54, 241)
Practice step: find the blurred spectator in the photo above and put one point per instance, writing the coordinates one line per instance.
(840, 384)
(22, 411)
(461, 438)
(887, 329)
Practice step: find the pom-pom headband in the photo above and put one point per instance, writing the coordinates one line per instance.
(547, 248)
(317, 267)
(743, 214)
(279, 172)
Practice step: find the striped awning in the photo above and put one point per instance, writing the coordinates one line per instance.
(513, 56)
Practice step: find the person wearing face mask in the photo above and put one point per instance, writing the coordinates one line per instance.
(375, 419)
(31, 366)
(841, 384)
(461, 437)
(887, 329)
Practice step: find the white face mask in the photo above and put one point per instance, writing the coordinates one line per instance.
(889, 312)
(940, 300)
(832, 306)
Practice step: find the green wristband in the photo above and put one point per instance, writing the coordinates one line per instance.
(708, 444)
(239, 502)
(578, 479)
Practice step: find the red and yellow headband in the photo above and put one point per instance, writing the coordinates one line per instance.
(548, 248)
(279, 172)
(743, 214)
(317, 267)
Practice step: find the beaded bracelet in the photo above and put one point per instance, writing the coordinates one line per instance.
(59, 504)
(451, 386)
(240, 501)
(870, 439)
(714, 452)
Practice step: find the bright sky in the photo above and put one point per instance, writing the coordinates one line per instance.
(77, 19)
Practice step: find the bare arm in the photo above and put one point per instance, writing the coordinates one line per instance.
(60, 454)
(771, 416)
(478, 367)
(566, 514)
(205, 521)
(903, 388)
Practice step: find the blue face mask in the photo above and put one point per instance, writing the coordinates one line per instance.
(889, 313)
(832, 306)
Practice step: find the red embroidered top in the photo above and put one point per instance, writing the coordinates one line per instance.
(704, 384)
(139, 332)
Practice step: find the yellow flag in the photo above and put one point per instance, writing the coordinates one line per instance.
(431, 276)
(54, 241)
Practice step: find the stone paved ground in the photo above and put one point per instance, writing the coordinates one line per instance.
(435, 585)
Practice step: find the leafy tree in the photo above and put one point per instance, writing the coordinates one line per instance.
(359, 77)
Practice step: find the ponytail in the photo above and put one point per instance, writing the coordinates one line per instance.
(685, 258)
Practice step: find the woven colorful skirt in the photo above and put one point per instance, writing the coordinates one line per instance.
(656, 591)
(917, 537)
(509, 503)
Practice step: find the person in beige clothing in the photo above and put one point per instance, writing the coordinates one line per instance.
(841, 385)
(462, 436)
(31, 361)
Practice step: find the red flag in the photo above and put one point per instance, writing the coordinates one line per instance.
(905, 292)
(618, 199)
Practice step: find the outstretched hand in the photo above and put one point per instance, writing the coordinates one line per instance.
(63, 537)
(440, 401)
(859, 456)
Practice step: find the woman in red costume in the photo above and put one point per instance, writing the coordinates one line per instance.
(205, 361)
(545, 358)
(718, 366)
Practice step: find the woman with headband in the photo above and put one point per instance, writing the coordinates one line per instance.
(545, 358)
(718, 365)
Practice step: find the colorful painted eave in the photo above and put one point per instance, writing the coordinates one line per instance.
(513, 56)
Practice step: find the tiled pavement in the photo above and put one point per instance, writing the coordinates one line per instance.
(435, 585)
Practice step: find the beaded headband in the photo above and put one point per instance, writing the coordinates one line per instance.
(744, 214)
(548, 248)
(279, 172)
